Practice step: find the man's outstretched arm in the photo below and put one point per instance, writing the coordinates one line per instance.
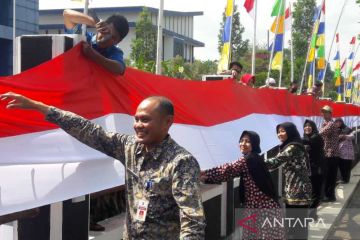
(87, 132)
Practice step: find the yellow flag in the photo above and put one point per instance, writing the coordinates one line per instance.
(310, 82)
(229, 8)
(321, 63)
(279, 22)
(311, 56)
(224, 59)
(276, 62)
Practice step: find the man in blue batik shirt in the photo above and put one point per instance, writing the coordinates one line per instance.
(100, 46)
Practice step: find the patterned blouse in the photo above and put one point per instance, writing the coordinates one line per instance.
(294, 161)
(330, 133)
(256, 202)
(175, 208)
(346, 147)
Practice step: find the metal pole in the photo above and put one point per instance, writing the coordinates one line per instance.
(273, 46)
(230, 35)
(307, 55)
(352, 66)
(14, 35)
(86, 10)
(291, 47)
(282, 59)
(337, 25)
(159, 38)
(332, 42)
(304, 72)
(253, 60)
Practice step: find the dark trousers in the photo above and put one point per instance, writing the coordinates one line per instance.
(345, 169)
(297, 213)
(331, 166)
(317, 183)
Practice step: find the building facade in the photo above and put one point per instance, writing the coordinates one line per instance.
(27, 19)
(178, 28)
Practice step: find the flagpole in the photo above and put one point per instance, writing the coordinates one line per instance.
(253, 61)
(291, 47)
(308, 52)
(304, 72)
(14, 35)
(332, 42)
(352, 69)
(273, 46)
(86, 10)
(159, 38)
(345, 78)
(283, 55)
(230, 34)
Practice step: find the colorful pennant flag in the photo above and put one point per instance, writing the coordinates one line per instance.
(337, 74)
(226, 48)
(317, 46)
(349, 69)
(320, 44)
(278, 28)
(249, 6)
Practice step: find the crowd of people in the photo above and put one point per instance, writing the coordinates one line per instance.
(163, 199)
(247, 79)
(310, 165)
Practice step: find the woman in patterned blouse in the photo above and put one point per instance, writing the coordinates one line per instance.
(346, 149)
(257, 191)
(295, 166)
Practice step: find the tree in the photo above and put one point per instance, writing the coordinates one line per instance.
(302, 26)
(239, 47)
(143, 47)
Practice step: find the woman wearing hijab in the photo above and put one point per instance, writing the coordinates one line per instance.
(314, 145)
(248, 80)
(256, 187)
(295, 167)
(346, 149)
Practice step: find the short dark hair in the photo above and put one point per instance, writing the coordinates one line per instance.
(318, 84)
(165, 106)
(120, 23)
(235, 64)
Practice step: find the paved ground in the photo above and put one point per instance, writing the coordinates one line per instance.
(347, 225)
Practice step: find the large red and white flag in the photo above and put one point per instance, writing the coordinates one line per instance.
(41, 164)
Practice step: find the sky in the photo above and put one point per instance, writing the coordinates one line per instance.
(206, 27)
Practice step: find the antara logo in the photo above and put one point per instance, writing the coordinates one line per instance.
(249, 223)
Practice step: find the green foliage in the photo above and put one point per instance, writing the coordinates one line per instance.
(302, 30)
(143, 47)
(178, 68)
(302, 26)
(239, 47)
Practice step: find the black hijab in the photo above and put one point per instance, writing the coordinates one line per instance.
(257, 169)
(292, 134)
(314, 145)
(345, 130)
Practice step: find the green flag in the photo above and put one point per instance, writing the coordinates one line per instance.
(279, 6)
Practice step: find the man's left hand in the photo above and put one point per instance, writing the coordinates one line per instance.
(88, 51)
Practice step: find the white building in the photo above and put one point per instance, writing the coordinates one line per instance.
(178, 28)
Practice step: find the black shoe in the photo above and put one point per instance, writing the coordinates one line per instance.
(96, 227)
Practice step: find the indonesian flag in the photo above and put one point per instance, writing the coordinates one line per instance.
(41, 164)
(249, 6)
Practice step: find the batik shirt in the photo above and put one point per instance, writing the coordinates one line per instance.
(330, 133)
(295, 166)
(167, 177)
